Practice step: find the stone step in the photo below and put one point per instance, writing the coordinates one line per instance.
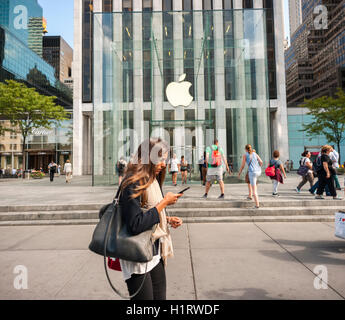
(183, 213)
(185, 203)
(316, 218)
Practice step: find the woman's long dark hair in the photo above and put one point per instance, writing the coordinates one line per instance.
(142, 169)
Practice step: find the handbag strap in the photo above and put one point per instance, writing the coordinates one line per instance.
(116, 201)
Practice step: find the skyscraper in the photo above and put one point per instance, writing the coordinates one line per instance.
(295, 15)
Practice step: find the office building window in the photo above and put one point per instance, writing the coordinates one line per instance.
(207, 5)
(229, 52)
(247, 4)
(127, 47)
(147, 59)
(87, 51)
(107, 21)
(227, 4)
(271, 54)
(168, 44)
(167, 5)
(209, 72)
(188, 43)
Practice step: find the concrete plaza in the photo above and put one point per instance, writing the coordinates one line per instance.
(247, 260)
(212, 261)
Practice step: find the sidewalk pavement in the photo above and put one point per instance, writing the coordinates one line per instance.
(212, 261)
(80, 191)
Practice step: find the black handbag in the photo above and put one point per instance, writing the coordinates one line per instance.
(112, 239)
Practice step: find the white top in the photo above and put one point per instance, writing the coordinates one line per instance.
(174, 164)
(334, 155)
(68, 167)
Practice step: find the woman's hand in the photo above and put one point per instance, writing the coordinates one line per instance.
(171, 198)
(175, 222)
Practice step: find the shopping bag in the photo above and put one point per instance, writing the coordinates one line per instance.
(340, 224)
(114, 263)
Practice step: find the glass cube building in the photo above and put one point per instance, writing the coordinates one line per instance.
(222, 48)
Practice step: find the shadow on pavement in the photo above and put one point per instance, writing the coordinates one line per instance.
(321, 251)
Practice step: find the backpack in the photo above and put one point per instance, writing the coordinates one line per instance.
(270, 171)
(121, 166)
(317, 164)
(216, 158)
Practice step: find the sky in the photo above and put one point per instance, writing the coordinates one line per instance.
(59, 15)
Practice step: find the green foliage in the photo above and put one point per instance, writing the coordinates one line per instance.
(328, 117)
(27, 109)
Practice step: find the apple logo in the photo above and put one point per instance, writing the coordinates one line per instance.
(178, 92)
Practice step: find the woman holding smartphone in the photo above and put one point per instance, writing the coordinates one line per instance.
(144, 206)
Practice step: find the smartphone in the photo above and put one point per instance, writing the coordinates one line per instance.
(184, 190)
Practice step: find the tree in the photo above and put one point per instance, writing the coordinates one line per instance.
(26, 109)
(328, 117)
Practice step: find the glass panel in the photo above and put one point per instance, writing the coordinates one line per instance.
(223, 56)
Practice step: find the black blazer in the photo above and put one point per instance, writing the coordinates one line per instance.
(134, 217)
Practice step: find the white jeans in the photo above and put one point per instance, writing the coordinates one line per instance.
(275, 186)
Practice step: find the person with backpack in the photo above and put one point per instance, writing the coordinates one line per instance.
(317, 166)
(121, 168)
(214, 161)
(254, 164)
(305, 170)
(278, 166)
(326, 174)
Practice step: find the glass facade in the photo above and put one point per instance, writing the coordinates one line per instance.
(18, 15)
(222, 53)
(299, 140)
(23, 68)
(42, 146)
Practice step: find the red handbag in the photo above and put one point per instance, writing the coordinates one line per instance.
(270, 171)
(114, 264)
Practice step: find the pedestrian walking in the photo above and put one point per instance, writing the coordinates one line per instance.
(121, 166)
(174, 168)
(214, 160)
(184, 170)
(68, 171)
(143, 202)
(52, 169)
(204, 170)
(200, 164)
(317, 166)
(279, 172)
(306, 171)
(334, 155)
(326, 174)
(254, 164)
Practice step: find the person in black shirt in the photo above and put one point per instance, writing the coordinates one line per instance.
(326, 174)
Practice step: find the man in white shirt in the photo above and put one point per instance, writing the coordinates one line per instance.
(174, 168)
(334, 155)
